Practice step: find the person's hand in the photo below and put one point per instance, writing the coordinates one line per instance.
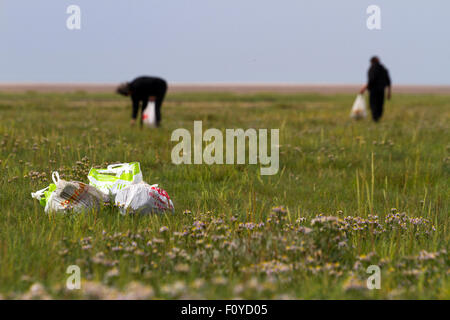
(389, 95)
(132, 122)
(363, 89)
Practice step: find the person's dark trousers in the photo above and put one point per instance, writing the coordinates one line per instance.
(376, 99)
(158, 103)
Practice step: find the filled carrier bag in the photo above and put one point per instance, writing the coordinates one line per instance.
(144, 199)
(69, 196)
(359, 110)
(115, 177)
(149, 115)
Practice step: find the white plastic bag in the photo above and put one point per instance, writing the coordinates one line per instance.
(66, 196)
(149, 116)
(115, 177)
(359, 110)
(144, 199)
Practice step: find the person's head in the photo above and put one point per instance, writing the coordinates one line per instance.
(374, 60)
(123, 89)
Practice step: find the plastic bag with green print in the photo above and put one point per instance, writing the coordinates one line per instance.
(115, 177)
(69, 196)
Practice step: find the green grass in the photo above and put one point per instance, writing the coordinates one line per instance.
(329, 165)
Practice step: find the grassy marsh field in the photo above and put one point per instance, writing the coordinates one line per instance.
(348, 195)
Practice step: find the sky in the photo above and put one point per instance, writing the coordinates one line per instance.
(224, 41)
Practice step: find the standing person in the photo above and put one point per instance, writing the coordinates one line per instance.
(141, 90)
(378, 80)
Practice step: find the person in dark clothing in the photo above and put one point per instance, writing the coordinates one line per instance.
(141, 90)
(378, 80)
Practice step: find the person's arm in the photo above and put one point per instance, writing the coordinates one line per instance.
(135, 110)
(363, 89)
(370, 79)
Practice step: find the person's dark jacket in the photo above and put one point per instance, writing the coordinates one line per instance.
(142, 88)
(378, 77)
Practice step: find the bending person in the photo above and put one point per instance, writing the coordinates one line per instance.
(141, 90)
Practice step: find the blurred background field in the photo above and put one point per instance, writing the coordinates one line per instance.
(234, 234)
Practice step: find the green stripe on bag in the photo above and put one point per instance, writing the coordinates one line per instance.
(102, 177)
(47, 194)
(136, 167)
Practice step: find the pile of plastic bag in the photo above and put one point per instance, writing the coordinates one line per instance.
(121, 184)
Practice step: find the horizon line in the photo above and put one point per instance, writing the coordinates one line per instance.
(235, 87)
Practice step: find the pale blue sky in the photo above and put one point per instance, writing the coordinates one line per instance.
(294, 41)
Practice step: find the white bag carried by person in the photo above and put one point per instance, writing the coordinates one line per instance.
(144, 199)
(69, 196)
(115, 177)
(149, 115)
(359, 110)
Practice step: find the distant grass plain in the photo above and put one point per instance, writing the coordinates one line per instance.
(349, 194)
